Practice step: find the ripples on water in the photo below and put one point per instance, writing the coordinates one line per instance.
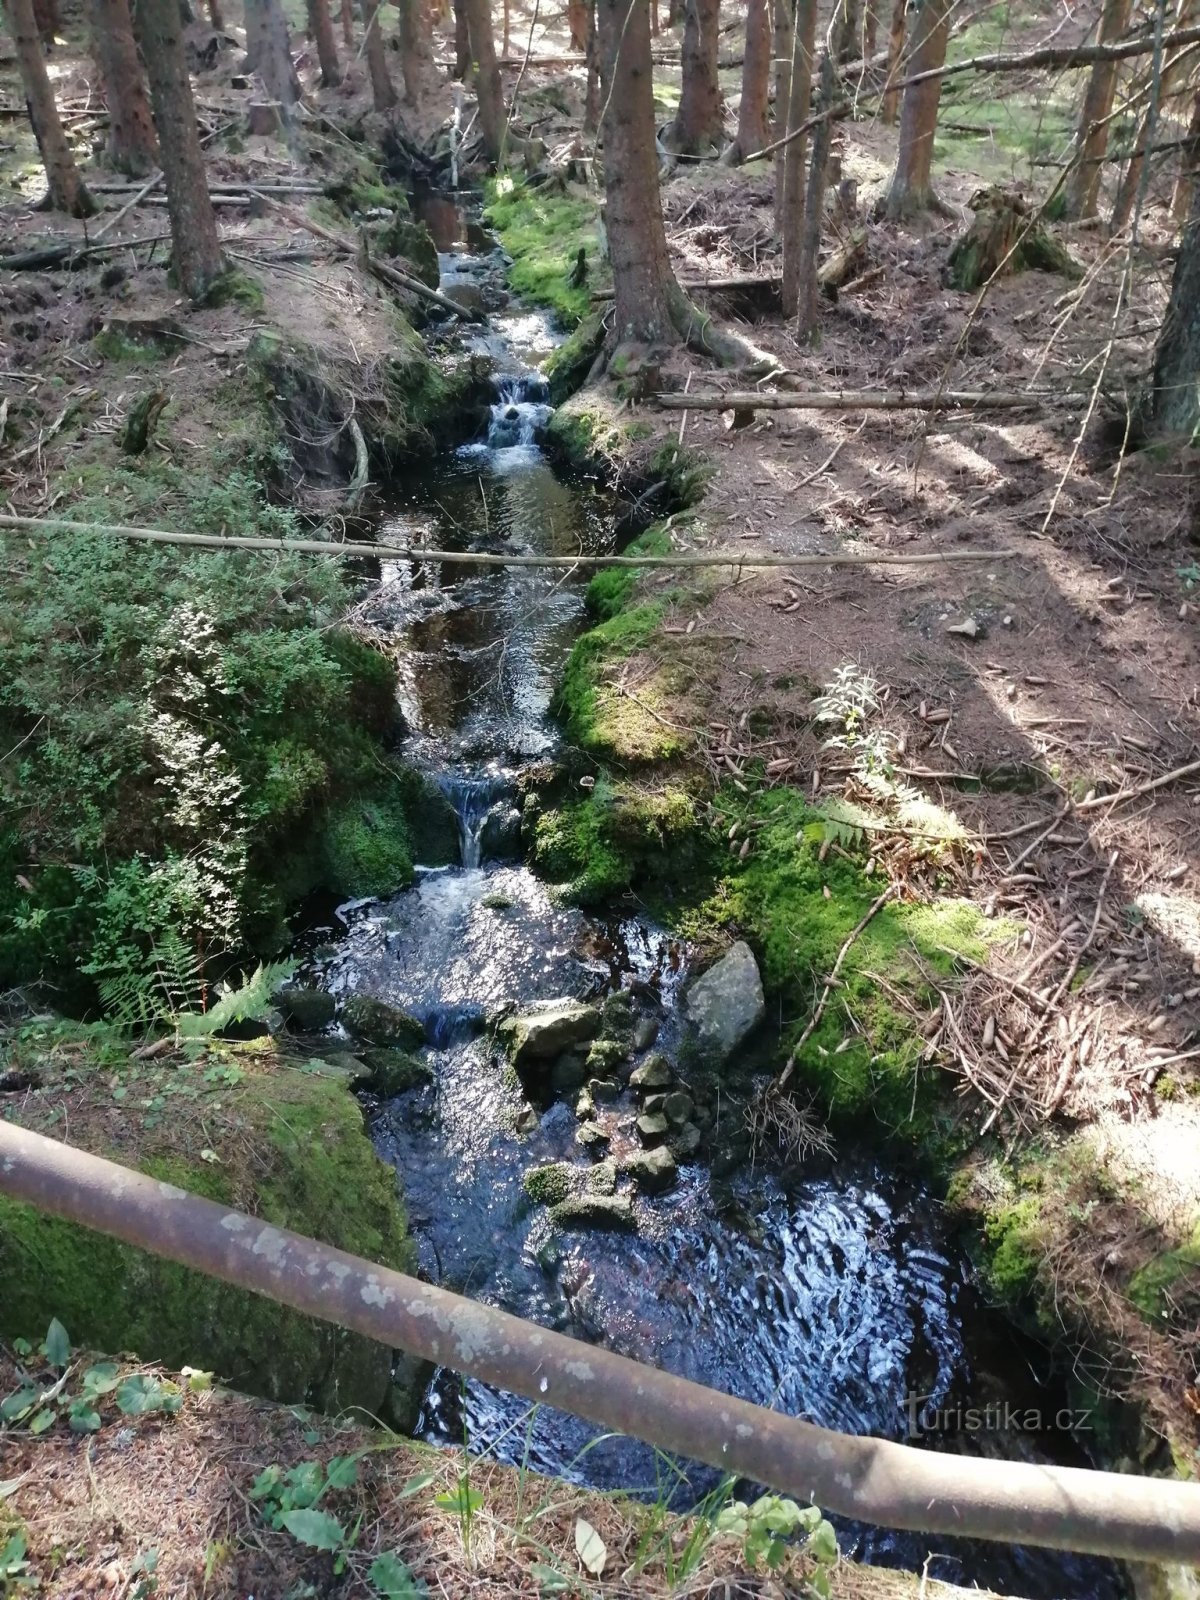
(832, 1301)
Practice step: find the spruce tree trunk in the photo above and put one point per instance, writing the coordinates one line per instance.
(794, 154)
(195, 247)
(216, 19)
(644, 290)
(488, 91)
(784, 13)
(421, 75)
(45, 14)
(889, 110)
(911, 189)
(272, 52)
(577, 23)
(462, 40)
(132, 146)
(1189, 161)
(348, 24)
(320, 25)
(591, 98)
(67, 189)
(699, 124)
(1083, 183)
(808, 297)
(1168, 90)
(847, 29)
(753, 130)
(383, 94)
(1175, 398)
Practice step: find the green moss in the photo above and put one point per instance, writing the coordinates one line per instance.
(236, 288)
(602, 717)
(543, 232)
(318, 1175)
(620, 834)
(1015, 1249)
(567, 368)
(366, 847)
(1168, 1283)
(549, 1184)
(612, 588)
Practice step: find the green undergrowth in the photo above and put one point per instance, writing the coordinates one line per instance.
(193, 742)
(543, 230)
(612, 588)
(619, 835)
(238, 1125)
(605, 717)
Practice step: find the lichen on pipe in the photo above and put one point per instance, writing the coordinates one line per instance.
(874, 1480)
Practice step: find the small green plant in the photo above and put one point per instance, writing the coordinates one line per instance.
(15, 1574)
(847, 704)
(1188, 575)
(766, 1527)
(465, 1502)
(38, 1403)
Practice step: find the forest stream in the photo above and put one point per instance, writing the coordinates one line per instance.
(835, 1298)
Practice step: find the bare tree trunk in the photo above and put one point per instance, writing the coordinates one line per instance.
(348, 24)
(847, 27)
(1168, 89)
(890, 108)
(421, 75)
(784, 11)
(577, 23)
(462, 40)
(488, 90)
(1175, 383)
(216, 19)
(644, 288)
(808, 296)
(752, 129)
(383, 94)
(1189, 163)
(591, 98)
(794, 154)
(132, 146)
(271, 53)
(911, 187)
(699, 123)
(870, 28)
(67, 189)
(45, 14)
(506, 42)
(320, 25)
(196, 249)
(1083, 182)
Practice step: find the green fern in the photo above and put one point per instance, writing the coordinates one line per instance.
(843, 822)
(249, 1002)
(152, 989)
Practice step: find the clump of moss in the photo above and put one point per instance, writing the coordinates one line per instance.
(550, 1184)
(1167, 1288)
(597, 847)
(544, 231)
(567, 368)
(366, 847)
(601, 716)
(612, 588)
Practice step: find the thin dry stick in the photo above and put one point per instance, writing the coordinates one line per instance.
(392, 552)
(865, 400)
(814, 1021)
(1097, 802)
(812, 476)
(1040, 840)
(1055, 996)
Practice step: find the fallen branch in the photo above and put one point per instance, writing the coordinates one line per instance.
(814, 1021)
(482, 558)
(1122, 795)
(737, 280)
(865, 400)
(71, 254)
(1055, 56)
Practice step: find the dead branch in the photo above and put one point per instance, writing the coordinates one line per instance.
(1055, 56)
(1123, 795)
(866, 400)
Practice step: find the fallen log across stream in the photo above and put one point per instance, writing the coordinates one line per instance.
(1120, 1515)
(486, 558)
(866, 400)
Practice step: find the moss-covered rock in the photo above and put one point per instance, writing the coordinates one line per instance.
(392, 1072)
(311, 1168)
(589, 1210)
(548, 1185)
(621, 832)
(380, 1024)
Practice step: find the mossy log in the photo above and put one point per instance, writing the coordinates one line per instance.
(1004, 239)
(142, 421)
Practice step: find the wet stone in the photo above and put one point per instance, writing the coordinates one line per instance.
(652, 1170)
(687, 1141)
(604, 1055)
(652, 1125)
(591, 1136)
(544, 1031)
(602, 1179)
(306, 1008)
(389, 1073)
(726, 1003)
(527, 1119)
(645, 1032)
(654, 1073)
(602, 1089)
(378, 1023)
(585, 1106)
(677, 1108)
(654, 1102)
(594, 1211)
(568, 1072)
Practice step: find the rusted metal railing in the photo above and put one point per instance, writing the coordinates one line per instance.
(874, 1480)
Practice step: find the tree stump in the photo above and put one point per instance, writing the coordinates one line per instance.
(142, 421)
(1003, 240)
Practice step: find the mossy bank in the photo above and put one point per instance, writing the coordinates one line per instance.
(245, 1126)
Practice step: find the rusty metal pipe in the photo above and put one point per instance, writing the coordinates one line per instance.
(874, 1480)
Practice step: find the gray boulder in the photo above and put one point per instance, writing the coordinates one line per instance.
(306, 1008)
(652, 1170)
(378, 1023)
(654, 1073)
(594, 1211)
(500, 836)
(548, 1028)
(686, 1142)
(726, 1004)
(652, 1125)
(677, 1108)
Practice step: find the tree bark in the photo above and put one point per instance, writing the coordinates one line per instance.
(462, 40)
(847, 28)
(383, 93)
(1189, 162)
(808, 296)
(45, 14)
(488, 90)
(699, 123)
(132, 146)
(870, 28)
(67, 189)
(577, 23)
(421, 75)
(795, 154)
(320, 25)
(783, 12)
(753, 131)
(1168, 89)
(591, 97)
(890, 108)
(271, 53)
(196, 249)
(348, 24)
(1083, 183)
(1175, 397)
(911, 187)
(644, 289)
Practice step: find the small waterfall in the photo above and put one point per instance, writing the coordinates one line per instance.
(473, 798)
(520, 410)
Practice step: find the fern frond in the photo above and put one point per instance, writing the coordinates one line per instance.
(250, 1001)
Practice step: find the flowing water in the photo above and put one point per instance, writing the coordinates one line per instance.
(835, 1298)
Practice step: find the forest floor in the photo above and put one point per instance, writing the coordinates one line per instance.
(1077, 691)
